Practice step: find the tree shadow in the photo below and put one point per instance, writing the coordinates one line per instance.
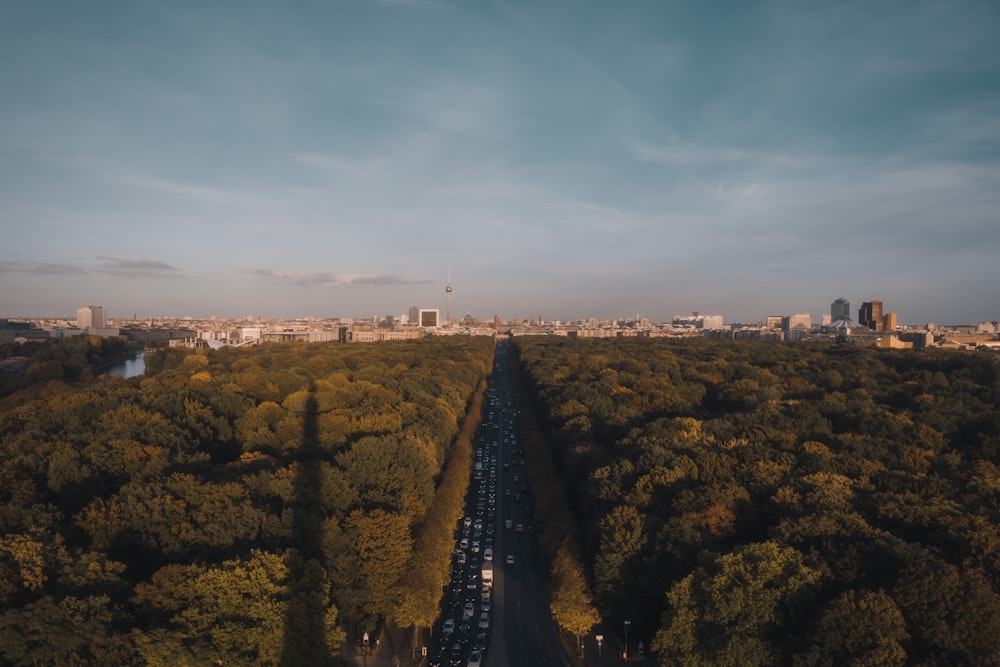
(305, 640)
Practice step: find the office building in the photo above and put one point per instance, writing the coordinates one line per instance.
(797, 321)
(870, 315)
(840, 309)
(429, 318)
(90, 317)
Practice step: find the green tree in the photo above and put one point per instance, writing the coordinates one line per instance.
(858, 629)
(233, 613)
(572, 604)
(735, 610)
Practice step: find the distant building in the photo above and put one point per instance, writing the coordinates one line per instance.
(698, 321)
(90, 317)
(797, 321)
(870, 315)
(840, 309)
(889, 322)
(430, 318)
(773, 321)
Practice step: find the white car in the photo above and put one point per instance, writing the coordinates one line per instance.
(510, 559)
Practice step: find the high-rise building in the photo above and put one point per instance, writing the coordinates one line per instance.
(870, 315)
(90, 317)
(889, 322)
(840, 309)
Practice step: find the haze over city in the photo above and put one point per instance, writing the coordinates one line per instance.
(559, 159)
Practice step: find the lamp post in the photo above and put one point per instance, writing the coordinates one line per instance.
(600, 640)
(625, 652)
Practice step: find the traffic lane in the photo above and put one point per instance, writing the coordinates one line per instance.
(532, 637)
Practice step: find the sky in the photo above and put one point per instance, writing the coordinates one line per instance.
(563, 160)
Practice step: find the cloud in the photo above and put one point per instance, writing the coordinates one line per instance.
(185, 190)
(324, 279)
(41, 268)
(686, 153)
(333, 163)
(134, 268)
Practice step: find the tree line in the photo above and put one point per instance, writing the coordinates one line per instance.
(746, 503)
(235, 506)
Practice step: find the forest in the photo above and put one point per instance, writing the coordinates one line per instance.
(747, 503)
(232, 507)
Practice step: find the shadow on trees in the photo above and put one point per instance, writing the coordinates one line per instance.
(305, 640)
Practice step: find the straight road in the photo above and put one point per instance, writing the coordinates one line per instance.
(519, 629)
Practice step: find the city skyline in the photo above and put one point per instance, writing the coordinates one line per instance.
(562, 160)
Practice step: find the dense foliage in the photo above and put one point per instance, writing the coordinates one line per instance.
(230, 507)
(72, 359)
(759, 503)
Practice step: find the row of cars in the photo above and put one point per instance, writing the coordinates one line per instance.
(469, 601)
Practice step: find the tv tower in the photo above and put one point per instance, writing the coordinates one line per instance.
(447, 312)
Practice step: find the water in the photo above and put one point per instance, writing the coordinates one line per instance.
(130, 367)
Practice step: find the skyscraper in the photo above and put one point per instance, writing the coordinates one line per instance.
(840, 309)
(90, 317)
(870, 315)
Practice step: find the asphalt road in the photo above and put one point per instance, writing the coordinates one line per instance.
(521, 630)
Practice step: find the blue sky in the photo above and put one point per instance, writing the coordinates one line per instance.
(562, 159)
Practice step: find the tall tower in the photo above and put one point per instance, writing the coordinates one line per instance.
(447, 310)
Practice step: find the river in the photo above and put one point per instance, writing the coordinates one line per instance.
(130, 367)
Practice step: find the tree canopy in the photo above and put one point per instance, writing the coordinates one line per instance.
(759, 503)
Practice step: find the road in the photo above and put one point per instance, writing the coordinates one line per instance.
(520, 629)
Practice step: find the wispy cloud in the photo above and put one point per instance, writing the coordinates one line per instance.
(683, 153)
(41, 269)
(134, 268)
(325, 279)
(333, 163)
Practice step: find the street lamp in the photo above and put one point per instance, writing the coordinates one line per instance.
(625, 652)
(600, 640)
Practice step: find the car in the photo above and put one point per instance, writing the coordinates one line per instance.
(468, 610)
(520, 528)
(448, 627)
(486, 603)
(455, 657)
(508, 524)
(475, 659)
(480, 643)
(510, 559)
(484, 620)
(488, 554)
